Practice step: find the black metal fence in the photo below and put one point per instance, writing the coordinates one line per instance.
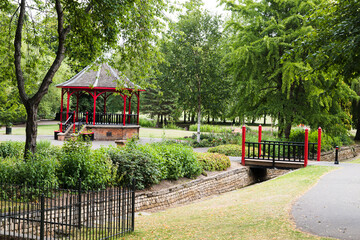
(48, 213)
(279, 151)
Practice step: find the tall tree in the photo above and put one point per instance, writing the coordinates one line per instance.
(334, 45)
(84, 30)
(192, 53)
(270, 80)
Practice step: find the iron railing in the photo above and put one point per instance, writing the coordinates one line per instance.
(312, 147)
(105, 118)
(48, 213)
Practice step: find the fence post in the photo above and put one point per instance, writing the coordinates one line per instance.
(79, 210)
(243, 145)
(319, 144)
(260, 133)
(336, 155)
(133, 206)
(74, 121)
(306, 146)
(87, 117)
(42, 217)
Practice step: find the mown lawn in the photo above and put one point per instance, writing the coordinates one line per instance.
(144, 132)
(261, 211)
(355, 161)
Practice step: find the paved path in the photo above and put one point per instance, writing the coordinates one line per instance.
(332, 207)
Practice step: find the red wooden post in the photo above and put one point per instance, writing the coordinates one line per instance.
(138, 107)
(87, 117)
(74, 121)
(319, 144)
(306, 146)
(243, 145)
(129, 118)
(61, 108)
(94, 113)
(124, 118)
(260, 132)
(68, 105)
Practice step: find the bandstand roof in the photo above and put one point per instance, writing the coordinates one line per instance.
(98, 76)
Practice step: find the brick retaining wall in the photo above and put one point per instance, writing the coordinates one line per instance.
(200, 188)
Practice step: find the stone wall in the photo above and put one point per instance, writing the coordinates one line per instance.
(345, 153)
(203, 187)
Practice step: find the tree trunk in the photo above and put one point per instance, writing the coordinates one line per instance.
(281, 127)
(208, 120)
(357, 135)
(265, 119)
(287, 130)
(193, 118)
(184, 117)
(157, 121)
(31, 129)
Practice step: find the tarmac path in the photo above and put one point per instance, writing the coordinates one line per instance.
(332, 207)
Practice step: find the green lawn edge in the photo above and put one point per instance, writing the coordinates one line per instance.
(260, 211)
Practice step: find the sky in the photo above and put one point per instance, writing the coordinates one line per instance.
(211, 5)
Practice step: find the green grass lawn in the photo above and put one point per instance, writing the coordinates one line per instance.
(355, 161)
(144, 132)
(261, 211)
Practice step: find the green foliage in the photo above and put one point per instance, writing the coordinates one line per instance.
(77, 161)
(143, 122)
(180, 160)
(328, 142)
(213, 161)
(172, 125)
(35, 171)
(135, 165)
(210, 128)
(229, 150)
(11, 149)
(271, 77)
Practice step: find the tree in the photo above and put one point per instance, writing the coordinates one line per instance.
(191, 52)
(85, 30)
(334, 45)
(270, 80)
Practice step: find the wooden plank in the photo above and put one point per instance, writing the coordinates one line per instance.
(269, 164)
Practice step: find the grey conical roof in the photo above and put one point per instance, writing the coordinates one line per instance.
(98, 75)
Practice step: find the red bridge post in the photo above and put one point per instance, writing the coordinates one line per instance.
(243, 145)
(306, 146)
(260, 132)
(319, 144)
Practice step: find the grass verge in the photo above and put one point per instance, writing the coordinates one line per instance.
(355, 161)
(260, 211)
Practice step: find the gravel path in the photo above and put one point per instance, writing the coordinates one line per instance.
(332, 207)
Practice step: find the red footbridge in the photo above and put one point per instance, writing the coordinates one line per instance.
(279, 154)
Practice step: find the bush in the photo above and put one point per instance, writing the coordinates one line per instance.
(147, 123)
(135, 165)
(77, 161)
(228, 150)
(12, 149)
(180, 160)
(172, 126)
(213, 161)
(327, 142)
(35, 171)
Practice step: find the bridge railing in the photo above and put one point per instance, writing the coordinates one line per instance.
(313, 147)
(275, 150)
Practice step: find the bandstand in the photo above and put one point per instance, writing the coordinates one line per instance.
(99, 80)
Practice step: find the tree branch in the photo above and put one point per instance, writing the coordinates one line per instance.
(62, 32)
(17, 54)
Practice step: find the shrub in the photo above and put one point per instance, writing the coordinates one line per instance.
(77, 161)
(135, 165)
(35, 171)
(327, 142)
(11, 149)
(228, 150)
(147, 123)
(172, 126)
(213, 161)
(180, 160)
